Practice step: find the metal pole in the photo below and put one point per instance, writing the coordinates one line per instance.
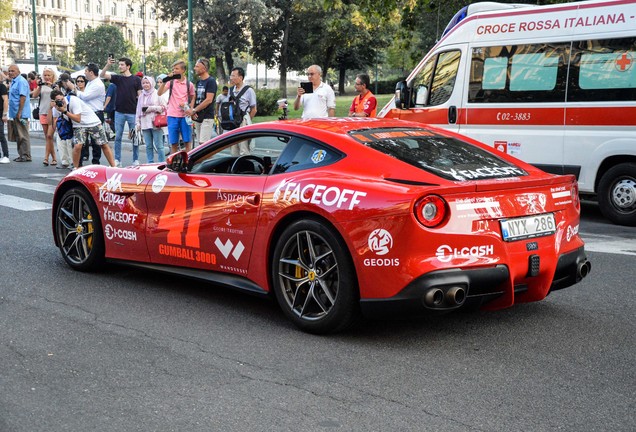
(190, 41)
(143, 30)
(35, 36)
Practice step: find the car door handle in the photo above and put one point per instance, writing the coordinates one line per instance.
(253, 199)
(452, 114)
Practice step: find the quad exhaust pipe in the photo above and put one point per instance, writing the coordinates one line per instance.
(446, 298)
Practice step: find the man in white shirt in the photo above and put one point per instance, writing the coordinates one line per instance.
(321, 102)
(85, 124)
(94, 95)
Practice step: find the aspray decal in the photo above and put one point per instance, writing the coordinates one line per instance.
(446, 253)
(561, 194)
(290, 192)
(231, 199)
(87, 173)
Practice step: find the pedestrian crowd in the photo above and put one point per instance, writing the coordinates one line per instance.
(80, 116)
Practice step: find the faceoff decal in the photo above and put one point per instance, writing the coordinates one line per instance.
(290, 192)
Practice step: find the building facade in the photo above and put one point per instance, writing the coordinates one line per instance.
(58, 21)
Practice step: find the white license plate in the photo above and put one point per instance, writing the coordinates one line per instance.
(528, 227)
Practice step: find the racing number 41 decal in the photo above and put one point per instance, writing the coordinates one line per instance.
(173, 218)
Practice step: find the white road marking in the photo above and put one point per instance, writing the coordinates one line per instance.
(23, 203)
(609, 244)
(56, 176)
(34, 186)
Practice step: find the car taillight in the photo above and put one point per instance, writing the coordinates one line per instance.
(575, 195)
(431, 211)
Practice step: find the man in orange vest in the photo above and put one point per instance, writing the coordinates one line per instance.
(365, 104)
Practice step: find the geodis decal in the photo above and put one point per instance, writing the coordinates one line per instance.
(380, 242)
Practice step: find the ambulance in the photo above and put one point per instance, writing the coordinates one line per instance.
(552, 85)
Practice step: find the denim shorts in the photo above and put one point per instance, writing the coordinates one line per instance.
(178, 125)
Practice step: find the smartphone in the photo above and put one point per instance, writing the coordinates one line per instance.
(111, 56)
(307, 86)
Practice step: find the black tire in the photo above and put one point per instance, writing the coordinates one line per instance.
(617, 194)
(314, 279)
(78, 231)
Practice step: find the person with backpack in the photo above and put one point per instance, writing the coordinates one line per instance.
(239, 109)
(85, 124)
(181, 97)
(203, 110)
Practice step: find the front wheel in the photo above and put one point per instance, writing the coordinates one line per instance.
(78, 230)
(617, 194)
(314, 279)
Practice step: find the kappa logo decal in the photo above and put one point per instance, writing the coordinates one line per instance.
(113, 184)
(228, 248)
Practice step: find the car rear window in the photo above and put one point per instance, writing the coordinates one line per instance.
(446, 157)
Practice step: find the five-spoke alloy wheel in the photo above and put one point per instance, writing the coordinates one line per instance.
(78, 230)
(313, 278)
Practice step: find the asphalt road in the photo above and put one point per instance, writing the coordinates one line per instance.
(130, 350)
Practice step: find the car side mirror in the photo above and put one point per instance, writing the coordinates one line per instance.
(178, 161)
(402, 95)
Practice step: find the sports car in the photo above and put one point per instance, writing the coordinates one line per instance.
(336, 219)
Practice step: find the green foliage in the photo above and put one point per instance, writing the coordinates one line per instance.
(6, 12)
(94, 44)
(159, 61)
(266, 102)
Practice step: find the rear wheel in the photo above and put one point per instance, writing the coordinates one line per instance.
(79, 231)
(617, 194)
(314, 279)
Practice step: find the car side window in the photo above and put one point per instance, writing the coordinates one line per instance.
(264, 149)
(303, 154)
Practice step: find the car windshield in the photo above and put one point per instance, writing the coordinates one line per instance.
(446, 157)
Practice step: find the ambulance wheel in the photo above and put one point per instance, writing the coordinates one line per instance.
(617, 194)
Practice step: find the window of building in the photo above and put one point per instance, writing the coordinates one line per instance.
(140, 38)
(130, 35)
(153, 38)
(98, 7)
(141, 12)
(113, 9)
(87, 6)
(153, 13)
(164, 38)
(176, 40)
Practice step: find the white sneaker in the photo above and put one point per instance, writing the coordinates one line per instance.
(136, 163)
(5, 160)
(117, 163)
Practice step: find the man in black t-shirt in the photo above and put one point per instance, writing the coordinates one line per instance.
(203, 111)
(128, 89)
(4, 113)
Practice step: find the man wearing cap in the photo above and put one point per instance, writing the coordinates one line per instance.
(203, 111)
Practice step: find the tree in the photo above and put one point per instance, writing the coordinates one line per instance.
(220, 27)
(159, 61)
(94, 45)
(6, 13)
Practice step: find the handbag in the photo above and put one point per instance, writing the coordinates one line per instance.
(160, 120)
(36, 113)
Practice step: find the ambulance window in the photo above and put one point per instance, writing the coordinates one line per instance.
(533, 72)
(603, 70)
(423, 78)
(519, 73)
(444, 78)
(495, 72)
